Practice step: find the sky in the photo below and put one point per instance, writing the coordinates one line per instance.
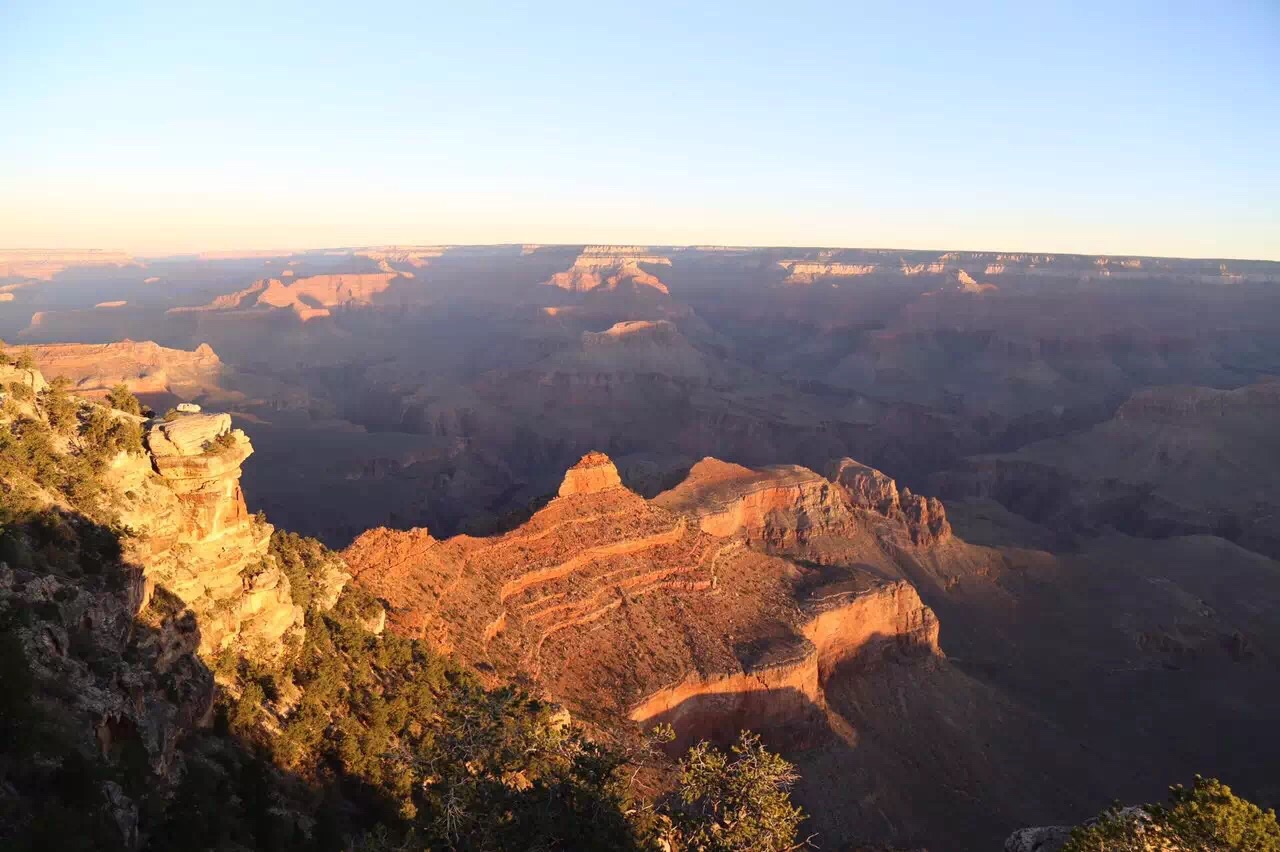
(1094, 127)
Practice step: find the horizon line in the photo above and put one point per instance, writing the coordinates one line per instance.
(231, 254)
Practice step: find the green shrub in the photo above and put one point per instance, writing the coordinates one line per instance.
(122, 399)
(103, 436)
(60, 407)
(221, 444)
(1206, 817)
(736, 802)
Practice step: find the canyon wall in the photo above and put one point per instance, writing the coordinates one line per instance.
(785, 687)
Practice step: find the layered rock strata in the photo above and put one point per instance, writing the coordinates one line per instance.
(145, 366)
(609, 267)
(309, 298)
(673, 609)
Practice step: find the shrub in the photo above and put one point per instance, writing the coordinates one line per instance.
(736, 802)
(59, 406)
(302, 559)
(122, 399)
(221, 444)
(103, 436)
(1208, 816)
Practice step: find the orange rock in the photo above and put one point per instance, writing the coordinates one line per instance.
(594, 472)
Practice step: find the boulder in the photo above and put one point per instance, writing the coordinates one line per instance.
(187, 435)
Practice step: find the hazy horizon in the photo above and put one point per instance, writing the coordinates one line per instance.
(1086, 129)
(285, 251)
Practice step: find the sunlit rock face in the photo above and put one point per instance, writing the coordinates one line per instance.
(594, 473)
(609, 267)
(197, 539)
(679, 609)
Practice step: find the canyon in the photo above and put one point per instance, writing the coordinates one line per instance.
(978, 540)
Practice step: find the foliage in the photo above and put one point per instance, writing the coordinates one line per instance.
(736, 802)
(426, 752)
(502, 773)
(24, 361)
(1206, 817)
(221, 444)
(34, 454)
(22, 391)
(59, 406)
(105, 435)
(122, 399)
(304, 561)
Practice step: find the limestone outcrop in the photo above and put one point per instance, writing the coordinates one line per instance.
(776, 507)
(197, 540)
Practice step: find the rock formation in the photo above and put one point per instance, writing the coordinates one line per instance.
(967, 284)
(309, 298)
(197, 540)
(609, 267)
(868, 488)
(786, 506)
(1044, 839)
(146, 367)
(595, 472)
(808, 272)
(672, 609)
(416, 256)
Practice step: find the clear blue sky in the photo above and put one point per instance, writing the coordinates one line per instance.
(1109, 127)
